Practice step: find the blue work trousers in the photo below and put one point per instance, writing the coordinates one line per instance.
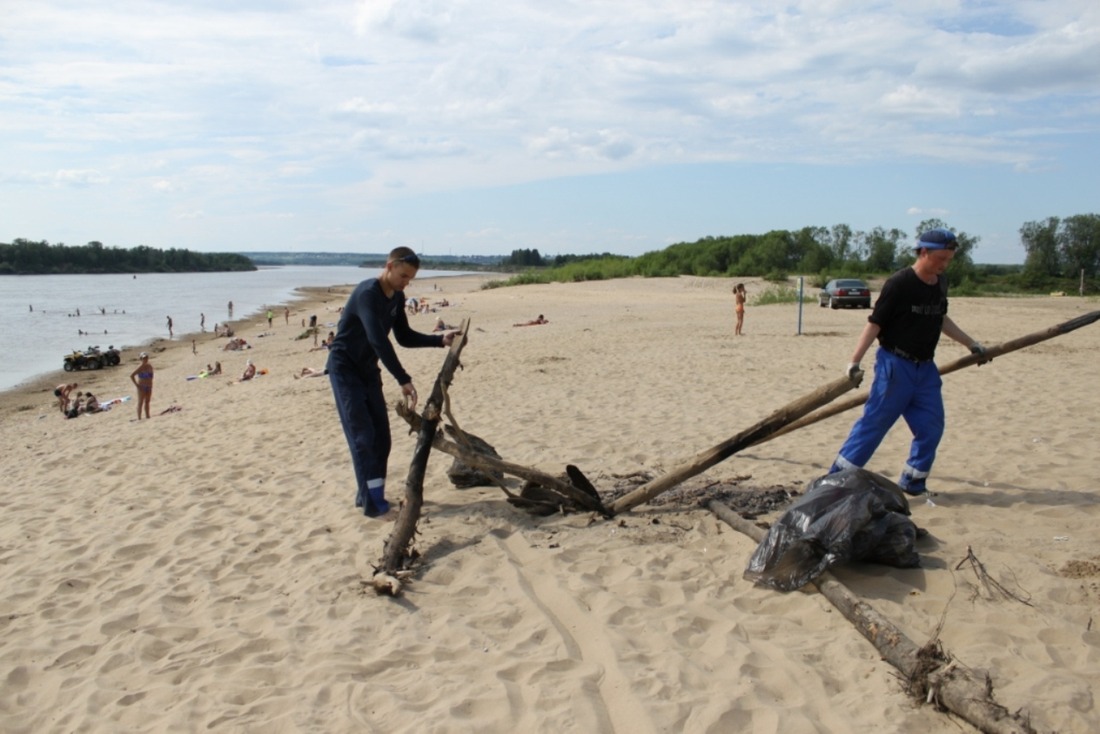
(366, 423)
(901, 389)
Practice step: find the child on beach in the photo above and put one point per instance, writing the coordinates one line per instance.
(739, 298)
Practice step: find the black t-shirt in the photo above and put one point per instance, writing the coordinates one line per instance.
(910, 313)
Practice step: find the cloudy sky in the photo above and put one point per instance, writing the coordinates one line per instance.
(480, 126)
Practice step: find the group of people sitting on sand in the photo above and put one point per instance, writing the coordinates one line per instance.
(234, 344)
(84, 402)
(423, 305)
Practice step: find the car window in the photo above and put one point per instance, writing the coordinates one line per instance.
(851, 284)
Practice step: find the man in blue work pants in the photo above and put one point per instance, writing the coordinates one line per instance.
(901, 389)
(908, 318)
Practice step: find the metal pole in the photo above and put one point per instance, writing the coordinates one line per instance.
(801, 281)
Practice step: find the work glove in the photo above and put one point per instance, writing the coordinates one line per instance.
(854, 372)
(979, 350)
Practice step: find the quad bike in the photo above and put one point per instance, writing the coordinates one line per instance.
(91, 359)
(83, 361)
(112, 356)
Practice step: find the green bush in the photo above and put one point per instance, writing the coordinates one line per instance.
(776, 276)
(779, 294)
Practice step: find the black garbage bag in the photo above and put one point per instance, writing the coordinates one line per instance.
(852, 515)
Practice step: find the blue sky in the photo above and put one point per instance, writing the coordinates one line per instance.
(479, 127)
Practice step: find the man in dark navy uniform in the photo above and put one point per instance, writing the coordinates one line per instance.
(375, 307)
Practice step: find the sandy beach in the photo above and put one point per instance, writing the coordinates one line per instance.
(206, 569)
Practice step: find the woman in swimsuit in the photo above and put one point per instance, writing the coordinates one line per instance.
(739, 307)
(142, 377)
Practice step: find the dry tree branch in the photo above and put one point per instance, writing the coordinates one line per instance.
(993, 587)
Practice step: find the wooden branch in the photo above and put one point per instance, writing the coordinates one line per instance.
(706, 459)
(950, 686)
(484, 461)
(968, 361)
(395, 553)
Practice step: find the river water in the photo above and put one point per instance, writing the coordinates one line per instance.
(42, 316)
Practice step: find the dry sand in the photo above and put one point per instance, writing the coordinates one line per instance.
(205, 570)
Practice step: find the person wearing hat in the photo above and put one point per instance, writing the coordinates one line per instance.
(907, 320)
(375, 308)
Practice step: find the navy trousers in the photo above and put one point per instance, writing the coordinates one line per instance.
(366, 423)
(901, 389)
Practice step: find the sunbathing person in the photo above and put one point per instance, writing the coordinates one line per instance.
(249, 371)
(326, 343)
(235, 344)
(91, 404)
(535, 322)
(310, 372)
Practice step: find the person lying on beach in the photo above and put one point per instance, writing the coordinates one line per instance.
(310, 372)
(326, 343)
(234, 344)
(535, 322)
(441, 326)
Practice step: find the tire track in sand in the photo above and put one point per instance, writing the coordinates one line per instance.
(585, 639)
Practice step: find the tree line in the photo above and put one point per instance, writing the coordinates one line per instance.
(1058, 251)
(1061, 248)
(24, 257)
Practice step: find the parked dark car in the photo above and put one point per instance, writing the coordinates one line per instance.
(845, 292)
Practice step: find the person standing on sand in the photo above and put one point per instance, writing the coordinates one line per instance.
(270, 316)
(142, 377)
(908, 318)
(286, 314)
(739, 307)
(62, 392)
(375, 307)
(169, 327)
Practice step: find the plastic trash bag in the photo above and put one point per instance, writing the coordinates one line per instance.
(852, 515)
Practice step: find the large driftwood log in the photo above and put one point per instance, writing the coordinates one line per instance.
(578, 497)
(395, 554)
(968, 361)
(929, 672)
(708, 458)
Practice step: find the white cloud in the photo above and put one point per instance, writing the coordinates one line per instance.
(383, 99)
(79, 177)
